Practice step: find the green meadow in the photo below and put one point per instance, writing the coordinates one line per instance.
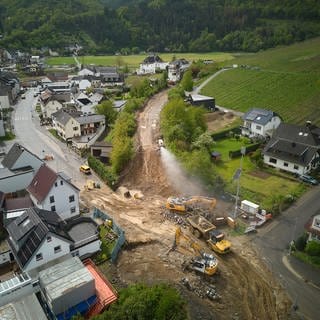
(285, 80)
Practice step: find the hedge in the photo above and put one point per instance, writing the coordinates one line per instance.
(223, 134)
(250, 148)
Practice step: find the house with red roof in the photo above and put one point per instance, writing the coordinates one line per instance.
(54, 191)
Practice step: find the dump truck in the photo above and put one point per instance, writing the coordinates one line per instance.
(218, 243)
(184, 205)
(202, 262)
(200, 226)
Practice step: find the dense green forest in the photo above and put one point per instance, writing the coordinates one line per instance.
(128, 26)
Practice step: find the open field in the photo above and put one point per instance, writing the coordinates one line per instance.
(285, 80)
(133, 61)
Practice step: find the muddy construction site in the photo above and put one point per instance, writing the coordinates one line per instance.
(244, 288)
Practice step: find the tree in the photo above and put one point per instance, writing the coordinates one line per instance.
(106, 109)
(187, 82)
(204, 141)
(159, 302)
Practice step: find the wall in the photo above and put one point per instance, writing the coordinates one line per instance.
(280, 165)
(61, 195)
(47, 250)
(88, 249)
(4, 102)
(28, 159)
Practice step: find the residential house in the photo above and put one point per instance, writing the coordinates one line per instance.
(204, 101)
(54, 102)
(313, 228)
(176, 70)
(260, 123)
(37, 237)
(18, 168)
(294, 148)
(58, 76)
(72, 127)
(9, 88)
(54, 191)
(151, 64)
(86, 72)
(59, 87)
(109, 75)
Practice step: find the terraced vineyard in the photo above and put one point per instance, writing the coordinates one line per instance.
(285, 80)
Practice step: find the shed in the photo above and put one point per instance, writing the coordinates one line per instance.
(200, 100)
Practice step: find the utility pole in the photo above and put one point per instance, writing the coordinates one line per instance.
(237, 177)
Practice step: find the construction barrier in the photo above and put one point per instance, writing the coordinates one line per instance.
(98, 214)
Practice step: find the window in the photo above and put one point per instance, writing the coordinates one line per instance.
(61, 182)
(51, 199)
(295, 167)
(73, 209)
(285, 164)
(49, 239)
(273, 160)
(53, 208)
(258, 128)
(71, 198)
(57, 249)
(56, 184)
(39, 257)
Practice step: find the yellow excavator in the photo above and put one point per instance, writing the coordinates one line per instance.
(183, 205)
(218, 243)
(203, 262)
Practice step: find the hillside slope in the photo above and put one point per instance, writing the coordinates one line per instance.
(158, 25)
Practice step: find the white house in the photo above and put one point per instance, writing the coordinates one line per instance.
(37, 237)
(151, 64)
(54, 192)
(176, 70)
(293, 148)
(259, 123)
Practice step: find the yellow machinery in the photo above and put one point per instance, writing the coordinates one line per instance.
(183, 205)
(204, 263)
(218, 243)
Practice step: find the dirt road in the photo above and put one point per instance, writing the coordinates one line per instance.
(247, 288)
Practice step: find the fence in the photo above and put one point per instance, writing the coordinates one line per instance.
(98, 214)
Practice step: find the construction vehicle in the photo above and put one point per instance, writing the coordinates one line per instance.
(203, 262)
(200, 226)
(218, 243)
(90, 185)
(184, 205)
(85, 169)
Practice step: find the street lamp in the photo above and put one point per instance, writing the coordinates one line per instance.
(237, 177)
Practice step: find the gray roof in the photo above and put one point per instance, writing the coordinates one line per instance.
(294, 143)
(14, 154)
(199, 97)
(27, 308)
(62, 116)
(91, 118)
(29, 230)
(259, 116)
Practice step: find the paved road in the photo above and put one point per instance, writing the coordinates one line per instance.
(302, 281)
(37, 139)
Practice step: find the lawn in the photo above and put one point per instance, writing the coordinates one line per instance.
(133, 61)
(257, 185)
(284, 79)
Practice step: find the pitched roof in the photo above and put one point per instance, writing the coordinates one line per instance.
(152, 59)
(13, 155)
(62, 116)
(260, 116)
(294, 143)
(42, 182)
(90, 118)
(29, 230)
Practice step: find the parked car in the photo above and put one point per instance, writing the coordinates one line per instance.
(23, 96)
(85, 169)
(308, 179)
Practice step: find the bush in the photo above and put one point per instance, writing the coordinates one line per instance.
(313, 248)
(104, 172)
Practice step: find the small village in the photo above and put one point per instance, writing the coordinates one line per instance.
(54, 232)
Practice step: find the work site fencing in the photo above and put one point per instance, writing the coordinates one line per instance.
(98, 214)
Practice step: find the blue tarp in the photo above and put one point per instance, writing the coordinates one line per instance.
(81, 308)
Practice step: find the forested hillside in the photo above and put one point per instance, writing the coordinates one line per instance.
(107, 26)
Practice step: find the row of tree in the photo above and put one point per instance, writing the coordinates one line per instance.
(158, 25)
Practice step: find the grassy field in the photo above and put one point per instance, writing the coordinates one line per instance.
(256, 184)
(285, 80)
(133, 61)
